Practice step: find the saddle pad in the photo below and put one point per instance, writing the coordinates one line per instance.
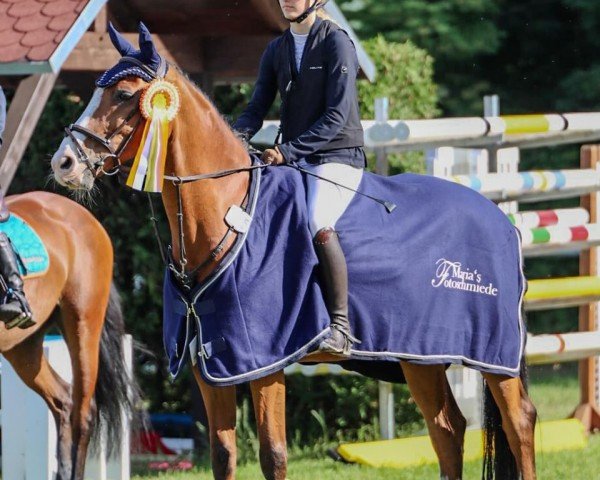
(439, 280)
(28, 245)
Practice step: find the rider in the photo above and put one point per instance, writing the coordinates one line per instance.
(314, 66)
(14, 309)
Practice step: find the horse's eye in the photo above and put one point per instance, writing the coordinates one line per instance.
(123, 95)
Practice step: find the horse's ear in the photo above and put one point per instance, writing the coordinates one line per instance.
(120, 42)
(147, 48)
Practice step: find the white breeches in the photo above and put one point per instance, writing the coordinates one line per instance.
(326, 201)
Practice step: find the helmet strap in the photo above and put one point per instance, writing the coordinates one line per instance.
(311, 9)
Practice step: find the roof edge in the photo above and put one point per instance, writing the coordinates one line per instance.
(75, 33)
(24, 68)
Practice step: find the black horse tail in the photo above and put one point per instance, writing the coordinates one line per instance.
(118, 395)
(499, 463)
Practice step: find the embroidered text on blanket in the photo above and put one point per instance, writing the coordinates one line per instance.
(451, 275)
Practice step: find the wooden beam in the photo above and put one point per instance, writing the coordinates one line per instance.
(206, 26)
(224, 57)
(189, 5)
(22, 117)
(234, 57)
(101, 21)
(95, 52)
(587, 410)
(271, 14)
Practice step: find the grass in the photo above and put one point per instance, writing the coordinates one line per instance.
(555, 392)
(574, 465)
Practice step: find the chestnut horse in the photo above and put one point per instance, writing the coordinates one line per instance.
(106, 138)
(75, 295)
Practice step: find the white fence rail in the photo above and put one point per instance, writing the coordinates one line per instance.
(29, 433)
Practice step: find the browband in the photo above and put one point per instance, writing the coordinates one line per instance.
(160, 72)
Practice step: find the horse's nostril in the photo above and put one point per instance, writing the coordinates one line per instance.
(66, 164)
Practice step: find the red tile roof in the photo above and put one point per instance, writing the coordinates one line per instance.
(30, 30)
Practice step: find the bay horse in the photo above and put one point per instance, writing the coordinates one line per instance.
(76, 295)
(105, 140)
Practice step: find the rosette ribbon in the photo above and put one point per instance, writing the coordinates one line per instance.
(159, 105)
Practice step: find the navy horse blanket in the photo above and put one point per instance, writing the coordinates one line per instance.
(439, 280)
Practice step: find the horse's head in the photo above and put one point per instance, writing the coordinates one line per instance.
(107, 135)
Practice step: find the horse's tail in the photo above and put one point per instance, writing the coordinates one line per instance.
(499, 463)
(117, 392)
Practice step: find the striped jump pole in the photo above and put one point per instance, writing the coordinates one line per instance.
(451, 129)
(562, 347)
(566, 217)
(526, 130)
(559, 238)
(532, 186)
(562, 292)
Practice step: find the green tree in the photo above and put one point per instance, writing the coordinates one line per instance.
(454, 32)
(548, 58)
(404, 76)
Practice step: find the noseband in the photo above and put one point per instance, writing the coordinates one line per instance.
(98, 167)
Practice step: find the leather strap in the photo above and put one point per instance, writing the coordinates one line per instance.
(311, 9)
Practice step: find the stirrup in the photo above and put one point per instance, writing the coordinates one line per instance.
(22, 321)
(24, 318)
(326, 347)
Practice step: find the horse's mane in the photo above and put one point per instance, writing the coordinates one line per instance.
(222, 119)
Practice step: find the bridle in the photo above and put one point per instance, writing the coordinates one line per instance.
(98, 167)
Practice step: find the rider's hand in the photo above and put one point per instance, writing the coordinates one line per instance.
(272, 156)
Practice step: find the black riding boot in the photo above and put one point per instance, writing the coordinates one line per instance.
(15, 310)
(334, 280)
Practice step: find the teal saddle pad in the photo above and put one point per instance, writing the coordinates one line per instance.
(28, 245)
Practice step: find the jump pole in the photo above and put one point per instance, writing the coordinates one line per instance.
(587, 410)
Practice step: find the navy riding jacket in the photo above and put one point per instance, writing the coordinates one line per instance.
(320, 119)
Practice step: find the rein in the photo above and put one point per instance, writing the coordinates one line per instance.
(203, 176)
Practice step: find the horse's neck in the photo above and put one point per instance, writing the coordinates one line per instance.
(201, 142)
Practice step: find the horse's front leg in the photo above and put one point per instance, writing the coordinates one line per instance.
(268, 394)
(220, 411)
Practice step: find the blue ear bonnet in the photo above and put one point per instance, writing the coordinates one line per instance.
(144, 63)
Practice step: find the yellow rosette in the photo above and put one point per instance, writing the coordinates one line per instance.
(159, 105)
